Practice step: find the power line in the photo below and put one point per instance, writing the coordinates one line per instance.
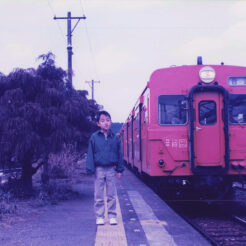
(58, 24)
(52, 9)
(91, 50)
(83, 12)
(89, 43)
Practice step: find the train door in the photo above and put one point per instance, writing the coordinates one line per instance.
(127, 141)
(209, 141)
(123, 142)
(138, 142)
(209, 135)
(131, 154)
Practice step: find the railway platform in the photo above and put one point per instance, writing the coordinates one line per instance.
(143, 220)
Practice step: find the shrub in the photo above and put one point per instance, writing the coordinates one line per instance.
(7, 203)
(66, 164)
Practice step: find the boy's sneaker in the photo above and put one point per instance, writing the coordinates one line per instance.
(112, 221)
(100, 221)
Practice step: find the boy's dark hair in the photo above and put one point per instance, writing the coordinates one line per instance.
(104, 113)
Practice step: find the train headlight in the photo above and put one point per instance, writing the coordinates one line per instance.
(161, 163)
(207, 74)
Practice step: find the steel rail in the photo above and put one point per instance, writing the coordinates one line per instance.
(199, 229)
(240, 220)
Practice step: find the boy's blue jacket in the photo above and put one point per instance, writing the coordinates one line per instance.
(104, 151)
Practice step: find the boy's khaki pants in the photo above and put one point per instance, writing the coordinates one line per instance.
(105, 175)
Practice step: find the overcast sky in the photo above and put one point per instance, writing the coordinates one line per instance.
(122, 42)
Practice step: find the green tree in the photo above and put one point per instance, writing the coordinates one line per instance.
(38, 115)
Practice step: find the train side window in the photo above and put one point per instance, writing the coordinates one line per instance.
(172, 110)
(207, 113)
(237, 109)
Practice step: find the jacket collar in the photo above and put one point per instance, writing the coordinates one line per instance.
(110, 133)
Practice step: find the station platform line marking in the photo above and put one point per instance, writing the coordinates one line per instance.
(154, 229)
(111, 235)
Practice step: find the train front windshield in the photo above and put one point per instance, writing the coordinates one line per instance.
(172, 110)
(237, 109)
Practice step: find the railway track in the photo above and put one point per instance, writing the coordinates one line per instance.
(239, 186)
(216, 225)
(240, 219)
(222, 230)
(221, 222)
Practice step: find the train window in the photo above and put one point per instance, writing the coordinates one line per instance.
(172, 110)
(237, 109)
(237, 81)
(207, 113)
(137, 123)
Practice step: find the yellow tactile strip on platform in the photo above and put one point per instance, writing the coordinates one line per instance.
(154, 229)
(111, 235)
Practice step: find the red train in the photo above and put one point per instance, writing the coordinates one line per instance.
(188, 127)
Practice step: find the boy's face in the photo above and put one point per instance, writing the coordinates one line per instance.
(104, 122)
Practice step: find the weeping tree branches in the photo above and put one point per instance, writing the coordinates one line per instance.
(38, 115)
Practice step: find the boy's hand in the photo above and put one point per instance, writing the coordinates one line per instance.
(119, 175)
(89, 172)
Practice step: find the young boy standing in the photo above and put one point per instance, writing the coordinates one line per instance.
(105, 160)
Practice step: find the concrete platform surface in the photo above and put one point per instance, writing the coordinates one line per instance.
(160, 224)
(143, 220)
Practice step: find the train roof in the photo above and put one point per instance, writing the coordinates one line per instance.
(185, 76)
(194, 68)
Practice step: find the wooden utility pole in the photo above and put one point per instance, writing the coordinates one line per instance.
(69, 19)
(91, 84)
